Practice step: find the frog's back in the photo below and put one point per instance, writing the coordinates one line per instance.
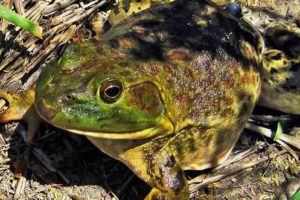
(195, 54)
(205, 65)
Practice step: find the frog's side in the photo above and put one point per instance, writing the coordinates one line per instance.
(166, 90)
(277, 20)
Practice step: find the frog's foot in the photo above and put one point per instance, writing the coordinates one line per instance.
(20, 107)
(156, 194)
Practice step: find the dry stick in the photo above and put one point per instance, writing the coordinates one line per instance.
(236, 158)
(292, 140)
(19, 7)
(5, 161)
(20, 187)
(44, 159)
(197, 186)
(58, 5)
(2, 105)
(283, 139)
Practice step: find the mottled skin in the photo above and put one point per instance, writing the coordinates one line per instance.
(277, 21)
(189, 75)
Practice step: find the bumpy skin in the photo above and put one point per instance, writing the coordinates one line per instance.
(190, 81)
(281, 57)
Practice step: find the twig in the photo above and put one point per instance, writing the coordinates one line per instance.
(19, 7)
(291, 140)
(271, 118)
(20, 188)
(194, 185)
(43, 158)
(5, 161)
(2, 105)
(236, 158)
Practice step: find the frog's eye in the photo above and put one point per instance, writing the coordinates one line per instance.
(110, 91)
(234, 9)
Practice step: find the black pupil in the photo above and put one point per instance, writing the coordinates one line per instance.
(112, 91)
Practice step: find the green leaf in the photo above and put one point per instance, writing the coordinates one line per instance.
(279, 131)
(295, 196)
(20, 21)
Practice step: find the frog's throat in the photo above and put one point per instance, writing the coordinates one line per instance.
(163, 128)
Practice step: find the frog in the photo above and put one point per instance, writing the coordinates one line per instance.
(166, 90)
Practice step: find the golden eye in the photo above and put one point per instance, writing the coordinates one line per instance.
(110, 91)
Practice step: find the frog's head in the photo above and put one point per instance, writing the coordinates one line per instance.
(87, 93)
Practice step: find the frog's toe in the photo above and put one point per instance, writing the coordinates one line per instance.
(9, 107)
(156, 194)
(19, 106)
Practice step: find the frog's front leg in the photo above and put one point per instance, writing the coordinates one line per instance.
(21, 107)
(168, 177)
(154, 163)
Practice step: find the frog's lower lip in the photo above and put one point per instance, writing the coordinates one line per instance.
(164, 127)
(142, 134)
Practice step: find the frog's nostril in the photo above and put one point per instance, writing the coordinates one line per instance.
(234, 9)
(69, 96)
(66, 97)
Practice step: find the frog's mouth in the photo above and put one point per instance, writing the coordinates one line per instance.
(165, 129)
(162, 126)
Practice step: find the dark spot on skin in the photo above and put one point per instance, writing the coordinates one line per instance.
(99, 49)
(153, 69)
(179, 55)
(124, 73)
(178, 182)
(183, 99)
(273, 70)
(227, 113)
(188, 73)
(114, 43)
(149, 102)
(123, 64)
(194, 115)
(140, 68)
(170, 161)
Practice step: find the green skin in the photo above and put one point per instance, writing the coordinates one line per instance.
(189, 75)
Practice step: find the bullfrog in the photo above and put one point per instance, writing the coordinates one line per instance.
(166, 90)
